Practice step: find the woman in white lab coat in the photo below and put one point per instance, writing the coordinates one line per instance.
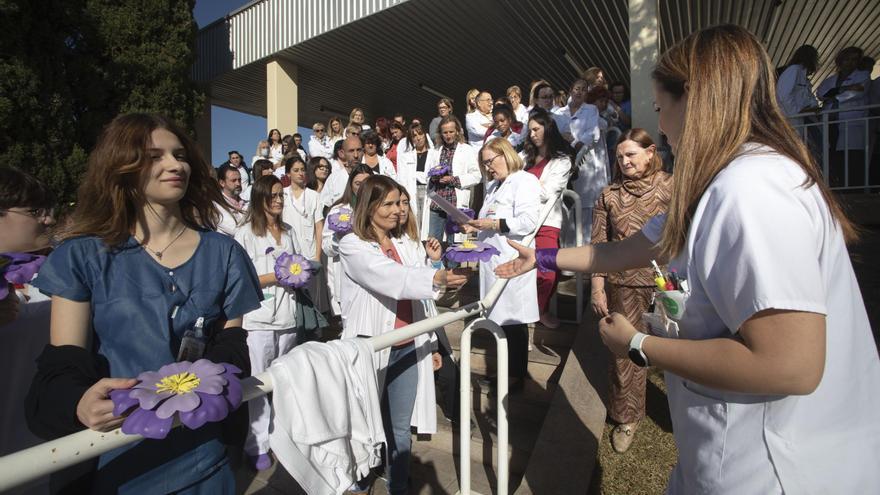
(794, 92)
(330, 239)
(374, 156)
(272, 327)
(463, 175)
(579, 123)
(546, 156)
(510, 212)
(412, 162)
(387, 285)
(305, 214)
(771, 369)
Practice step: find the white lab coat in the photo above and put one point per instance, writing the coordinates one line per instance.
(335, 185)
(465, 167)
(852, 132)
(583, 125)
(385, 167)
(522, 114)
(327, 421)
(517, 201)
(794, 92)
(410, 178)
(330, 246)
(553, 181)
(476, 130)
(372, 283)
(759, 240)
(320, 147)
(303, 214)
(229, 221)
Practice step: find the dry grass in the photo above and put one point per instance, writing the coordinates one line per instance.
(645, 467)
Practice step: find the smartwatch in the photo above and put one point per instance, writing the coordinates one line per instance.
(636, 354)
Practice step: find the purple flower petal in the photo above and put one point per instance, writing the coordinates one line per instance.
(293, 271)
(149, 379)
(232, 393)
(147, 398)
(181, 402)
(204, 368)
(146, 423)
(122, 401)
(211, 385)
(479, 252)
(439, 170)
(340, 221)
(174, 369)
(21, 267)
(212, 408)
(454, 228)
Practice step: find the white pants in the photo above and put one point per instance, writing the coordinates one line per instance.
(263, 347)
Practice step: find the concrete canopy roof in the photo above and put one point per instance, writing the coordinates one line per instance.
(376, 54)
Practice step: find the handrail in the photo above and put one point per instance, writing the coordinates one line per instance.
(824, 110)
(579, 276)
(34, 462)
(464, 404)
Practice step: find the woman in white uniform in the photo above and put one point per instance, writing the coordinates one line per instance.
(386, 285)
(271, 329)
(510, 211)
(794, 92)
(305, 214)
(412, 160)
(773, 380)
(330, 239)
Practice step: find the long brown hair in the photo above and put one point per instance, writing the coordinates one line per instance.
(371, 194)
(111, 192)
(348, 195)
(644, 140)
(459, 134)
(261, 197)
(410, 228)
(728, 105)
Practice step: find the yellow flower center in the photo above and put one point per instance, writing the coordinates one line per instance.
(468, 245)
(295, 269)
(344, 217)
(180, 383)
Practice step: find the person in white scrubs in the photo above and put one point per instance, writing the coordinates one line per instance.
(330, 238)
(411, 162)
(262, 153)
(374, 156)
(304, 213)
(387, 284)
(272, 327)
(514, 95)
(480, 120)
(276, 146)
(510, 211)
(771, 368)
(794, 92)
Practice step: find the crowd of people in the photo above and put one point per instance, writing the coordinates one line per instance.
(758, 360)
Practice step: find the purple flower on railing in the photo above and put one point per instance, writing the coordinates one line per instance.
(293, 270)
(198, 393)
(470, 251)
(439, 170)
(18, 269)
(454, 228)
(340, 221)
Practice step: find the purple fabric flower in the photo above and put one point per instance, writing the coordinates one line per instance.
(18, 269)
(293, 270)
(439, 170)
(198, 392)
(470, 251)
(340, 222)
(454, 228)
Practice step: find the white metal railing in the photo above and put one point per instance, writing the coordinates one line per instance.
(815, 129)
(41, 460)
(579, 276)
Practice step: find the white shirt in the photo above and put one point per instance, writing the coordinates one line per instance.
(583, 124)
(277, 311)
(230, 221)
(334, 187)
(852, 133)
(759, 240)
(320, 147)
(554, 180)
(474, 124)
(522, 114)
(385, 166)
(794, 91)
(517, 201)
(302, 214)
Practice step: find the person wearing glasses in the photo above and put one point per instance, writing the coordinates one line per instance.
(317, 173)
(319, 143)
(511, 210)
(444, 108)
(480, 120)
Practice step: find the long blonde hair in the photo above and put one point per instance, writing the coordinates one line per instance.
(726, 76)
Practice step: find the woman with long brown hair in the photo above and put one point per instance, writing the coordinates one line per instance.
(772, 373)
(639, 191)
(138, 265)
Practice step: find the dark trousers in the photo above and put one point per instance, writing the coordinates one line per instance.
(447, 379)
(518, 349)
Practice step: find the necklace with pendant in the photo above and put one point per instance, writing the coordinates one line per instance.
(158, 254)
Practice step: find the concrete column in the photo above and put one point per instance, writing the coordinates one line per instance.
(281, 96)
(203, 130)
(644, 48)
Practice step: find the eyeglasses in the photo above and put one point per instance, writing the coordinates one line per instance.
(34, 212)
(489, 161)
(319, 130)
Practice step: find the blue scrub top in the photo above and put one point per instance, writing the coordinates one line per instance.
(140, 311)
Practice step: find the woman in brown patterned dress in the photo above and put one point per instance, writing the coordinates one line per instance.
(639, 191)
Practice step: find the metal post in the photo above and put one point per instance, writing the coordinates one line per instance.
(464, 433)
(825, 147)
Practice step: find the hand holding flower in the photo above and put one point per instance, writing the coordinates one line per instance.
(95, 409)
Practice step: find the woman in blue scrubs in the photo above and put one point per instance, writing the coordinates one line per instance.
(139, 263)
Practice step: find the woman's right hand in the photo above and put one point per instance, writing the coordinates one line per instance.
(599, 301)
(95, 409)
(522, 264)
(451, 279)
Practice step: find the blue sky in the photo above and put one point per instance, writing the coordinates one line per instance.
(231, 130)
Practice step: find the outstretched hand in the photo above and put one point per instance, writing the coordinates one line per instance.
(522, 264)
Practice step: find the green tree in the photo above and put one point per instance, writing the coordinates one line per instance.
(67, 67)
